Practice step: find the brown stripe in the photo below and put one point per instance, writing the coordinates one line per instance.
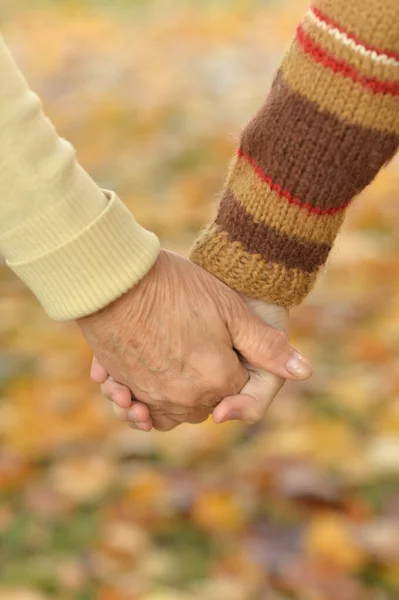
(260, 238)
(363, 63)
(339, 95)
(320, 159)
(248, 273)
(266, 206)
(376, 22)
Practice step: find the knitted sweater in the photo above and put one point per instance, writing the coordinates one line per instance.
(76, 247)
(329, 123)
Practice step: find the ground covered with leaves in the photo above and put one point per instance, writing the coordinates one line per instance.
(305, 506)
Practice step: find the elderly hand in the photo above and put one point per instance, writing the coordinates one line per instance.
(177, 338)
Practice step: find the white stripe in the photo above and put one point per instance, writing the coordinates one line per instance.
(347, 41)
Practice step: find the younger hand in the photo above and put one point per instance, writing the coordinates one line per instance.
(252, 403)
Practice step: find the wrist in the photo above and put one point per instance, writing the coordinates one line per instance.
(94, 268)
(273, 314)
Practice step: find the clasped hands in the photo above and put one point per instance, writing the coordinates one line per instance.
(181, 345)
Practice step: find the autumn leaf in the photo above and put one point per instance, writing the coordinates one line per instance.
(305, 505)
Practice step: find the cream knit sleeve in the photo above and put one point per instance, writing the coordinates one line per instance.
(76, 247)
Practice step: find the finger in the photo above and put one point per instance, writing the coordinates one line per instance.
(272, 314)
(197, 418)
(97, 372)
(139, 413)
(121, 413)
(129, 409)
(216, 373)
(146, 427)
(251, 405)
(263, 346)
(118, 393)
(137, 416)
(164, 423)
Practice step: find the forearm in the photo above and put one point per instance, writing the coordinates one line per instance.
(330, 122)
(77, 248)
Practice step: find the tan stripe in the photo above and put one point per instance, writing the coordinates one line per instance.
(249, 273)
(261, 238)
(365, 64)
(339, 95)
(375, 22)
(265, 206)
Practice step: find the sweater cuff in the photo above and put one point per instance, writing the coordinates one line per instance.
(227, 259)
(111, 255)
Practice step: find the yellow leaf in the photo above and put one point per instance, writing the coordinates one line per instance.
(218, 511)
(83, 479)
(328, 539)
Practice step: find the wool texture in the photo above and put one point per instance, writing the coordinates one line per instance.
(329, 124)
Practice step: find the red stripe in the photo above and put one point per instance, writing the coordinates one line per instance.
(339, 66)
(275, 187)
(352, 36)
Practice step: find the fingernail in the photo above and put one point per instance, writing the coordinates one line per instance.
(299, 366)
(233, 415)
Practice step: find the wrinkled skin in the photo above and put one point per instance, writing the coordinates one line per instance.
(174, 340)
(249, 406)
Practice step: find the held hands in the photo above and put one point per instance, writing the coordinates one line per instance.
(249, 406)
(173, 341)
(252, 403)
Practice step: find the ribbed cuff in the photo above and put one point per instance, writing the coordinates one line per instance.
(97, 266)
(250, 273)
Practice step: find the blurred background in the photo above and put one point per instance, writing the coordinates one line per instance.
(153, 94)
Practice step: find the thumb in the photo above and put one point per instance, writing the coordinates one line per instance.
(251, 405)
(264, 347)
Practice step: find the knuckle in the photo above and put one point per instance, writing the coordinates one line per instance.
(210, 397)
(220, 378)
(225, 380)
(229, 382)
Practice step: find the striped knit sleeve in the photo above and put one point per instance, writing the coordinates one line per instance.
(329, 124)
